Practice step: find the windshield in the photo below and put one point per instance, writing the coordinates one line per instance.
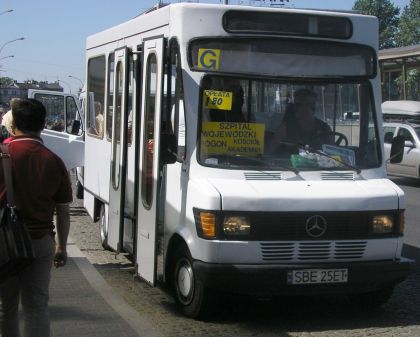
(268, 125)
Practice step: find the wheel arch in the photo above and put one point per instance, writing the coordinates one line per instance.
(174, 243)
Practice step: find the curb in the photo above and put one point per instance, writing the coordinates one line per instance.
(139, 323)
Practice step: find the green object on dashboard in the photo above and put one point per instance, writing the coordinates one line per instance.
(299, 161)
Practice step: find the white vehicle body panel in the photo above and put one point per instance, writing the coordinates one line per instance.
(69, 147)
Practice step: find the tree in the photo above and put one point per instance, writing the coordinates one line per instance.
(409, 25)
(387, 15)
(6, 80)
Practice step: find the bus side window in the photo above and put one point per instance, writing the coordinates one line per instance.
(130, 99)
(177, 108)
(71, 115)
(149, 135)
(110, 98)
(95, 99)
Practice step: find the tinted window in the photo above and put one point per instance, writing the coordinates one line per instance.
(283, 57)
(71, 115)
(149, 134)
(110, 99)
(287, 24)
(406, 134)
(95, 96)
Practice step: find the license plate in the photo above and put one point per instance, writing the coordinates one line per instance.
(316, 276)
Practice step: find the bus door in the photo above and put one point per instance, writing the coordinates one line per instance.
(149, 159)
(118, 151)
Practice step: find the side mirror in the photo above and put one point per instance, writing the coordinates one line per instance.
(397, 150)
(388, 137)
(75, 127)
(168, 147)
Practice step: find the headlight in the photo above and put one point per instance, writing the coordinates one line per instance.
(236, 225)
(382, 224)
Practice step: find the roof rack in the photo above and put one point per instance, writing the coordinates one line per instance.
(156, 6)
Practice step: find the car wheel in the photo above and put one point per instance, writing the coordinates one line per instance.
(193, 298)
(372, 299)
(103, 227)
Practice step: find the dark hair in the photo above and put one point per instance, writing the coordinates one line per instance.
(28, 114)
(305, 93)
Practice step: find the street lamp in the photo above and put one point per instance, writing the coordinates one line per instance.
(18, 39)
(6, 57)
(76, 78)
(65, 84)
(7, 11)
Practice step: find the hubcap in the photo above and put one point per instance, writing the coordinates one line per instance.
(185, 282)
(103, 226)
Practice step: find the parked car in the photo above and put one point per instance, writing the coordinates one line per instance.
(402, 118)
(401, 110)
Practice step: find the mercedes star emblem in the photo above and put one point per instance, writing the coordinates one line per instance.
(316, 226)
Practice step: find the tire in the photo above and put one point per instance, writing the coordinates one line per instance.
(103, 228)
(372, 299)
(192, 297)
(79, 190)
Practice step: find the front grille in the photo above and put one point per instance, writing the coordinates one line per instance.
(311, 251)
(292, 226)
(337, 175)
(262, 175)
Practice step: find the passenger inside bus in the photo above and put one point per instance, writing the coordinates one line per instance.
(99, 120)
(300, 126)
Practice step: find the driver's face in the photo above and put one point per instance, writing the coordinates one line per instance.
(304, 108)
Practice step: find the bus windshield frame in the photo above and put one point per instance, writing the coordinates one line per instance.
(254, 123)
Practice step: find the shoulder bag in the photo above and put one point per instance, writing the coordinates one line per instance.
(16, 250)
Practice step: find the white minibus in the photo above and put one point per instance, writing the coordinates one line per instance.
(216, 153)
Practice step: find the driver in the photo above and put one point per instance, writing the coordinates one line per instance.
(300, 126)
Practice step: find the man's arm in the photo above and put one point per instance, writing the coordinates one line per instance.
(63, 228)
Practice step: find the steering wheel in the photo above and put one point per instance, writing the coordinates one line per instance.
(340, 138)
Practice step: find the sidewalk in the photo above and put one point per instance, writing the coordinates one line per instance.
(82, 304)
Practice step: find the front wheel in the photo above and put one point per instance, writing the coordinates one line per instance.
(191, 295)
(103, 227)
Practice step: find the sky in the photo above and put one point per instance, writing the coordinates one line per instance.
(55, 32)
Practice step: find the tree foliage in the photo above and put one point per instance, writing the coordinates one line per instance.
(6, 80)
(387, 14)
(409, 25)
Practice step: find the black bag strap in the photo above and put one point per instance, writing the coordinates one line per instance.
(7, 169)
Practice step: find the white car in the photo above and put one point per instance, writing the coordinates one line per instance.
(402, 118)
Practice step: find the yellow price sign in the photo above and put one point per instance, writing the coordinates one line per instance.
(208, 58)
(232, 138)
(220, 100)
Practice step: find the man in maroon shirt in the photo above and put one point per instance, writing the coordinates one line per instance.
(42, 185)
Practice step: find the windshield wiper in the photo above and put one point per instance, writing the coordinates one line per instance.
(260, 161)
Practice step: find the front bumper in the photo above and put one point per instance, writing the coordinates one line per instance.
(266, 280)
